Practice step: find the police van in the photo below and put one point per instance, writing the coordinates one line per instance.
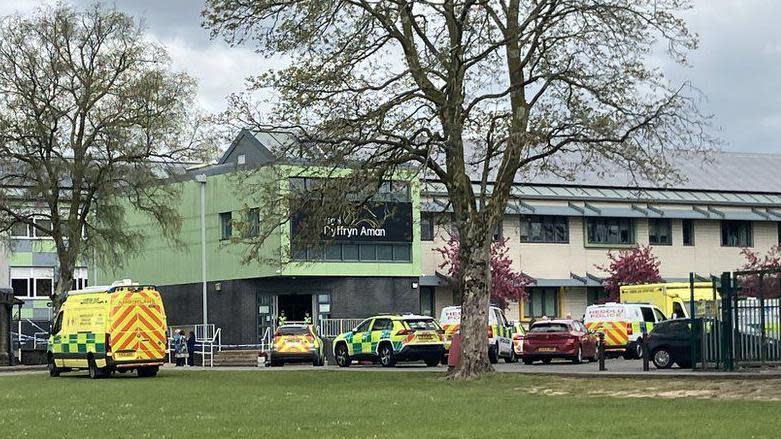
(121, 327)
(623, 325)
(500, 332)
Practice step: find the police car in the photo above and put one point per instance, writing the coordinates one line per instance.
(390, 338)
(296, 343)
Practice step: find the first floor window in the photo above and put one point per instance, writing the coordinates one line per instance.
(44, 287)
(253, 222)
(610, 231)
(20, 230)
(687, 227)
(343, 251)
(426, 226)
(542, 302)
(544, 229)
(226, 225)
(736, 234)
(21, 287)
(427, 301)
(660, 231)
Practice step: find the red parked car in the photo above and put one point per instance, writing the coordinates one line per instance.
(549, 339)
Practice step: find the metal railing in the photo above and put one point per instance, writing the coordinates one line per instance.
(330, 328)
(207, 339)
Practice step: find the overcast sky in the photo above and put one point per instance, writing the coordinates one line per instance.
(738, 65)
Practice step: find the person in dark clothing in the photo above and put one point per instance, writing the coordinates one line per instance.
(191, 349)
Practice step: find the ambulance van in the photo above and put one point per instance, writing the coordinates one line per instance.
(500, 332)
(121, 328)
(674, 298)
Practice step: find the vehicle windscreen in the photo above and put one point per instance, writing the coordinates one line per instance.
(293, 330)
(549, 327)
(422, 324)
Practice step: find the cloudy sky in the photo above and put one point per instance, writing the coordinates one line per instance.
(738, 65)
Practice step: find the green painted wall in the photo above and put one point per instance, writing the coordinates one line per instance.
(163, 264)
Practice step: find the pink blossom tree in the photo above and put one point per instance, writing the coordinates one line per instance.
(633, 266)
(506, 283)
(770, 261)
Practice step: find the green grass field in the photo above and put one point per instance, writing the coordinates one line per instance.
(335, 404)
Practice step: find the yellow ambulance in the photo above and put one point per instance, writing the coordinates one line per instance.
(672, 298)
(121, 327)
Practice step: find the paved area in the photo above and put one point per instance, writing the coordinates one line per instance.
(615, 368)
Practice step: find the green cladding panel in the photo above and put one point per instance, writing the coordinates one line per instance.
(164, 263)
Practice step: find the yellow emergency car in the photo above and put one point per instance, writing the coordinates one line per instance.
(121, 327)
(296, 343)
(391, 338)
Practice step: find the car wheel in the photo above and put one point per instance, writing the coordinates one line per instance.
(342, 356)
(386, 356)
(493, 354)
(54, 371)
(512, 358)
(578, 358)
(546, 361)
(662, 358)
(431, 362)
(94, 371)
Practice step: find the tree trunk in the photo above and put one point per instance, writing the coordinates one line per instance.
(64, 284)
(475, 284)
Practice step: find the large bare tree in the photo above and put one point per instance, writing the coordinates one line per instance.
(91, 114)
(476, 93)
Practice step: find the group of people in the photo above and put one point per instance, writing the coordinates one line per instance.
(184, 348)
(282, 318)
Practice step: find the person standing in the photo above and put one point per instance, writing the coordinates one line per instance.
(180, 348)
(191, 349)
(307, 318)
(282, 319)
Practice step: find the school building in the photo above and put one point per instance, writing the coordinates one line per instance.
(558, 232)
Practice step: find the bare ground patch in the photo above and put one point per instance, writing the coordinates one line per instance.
(717, 389)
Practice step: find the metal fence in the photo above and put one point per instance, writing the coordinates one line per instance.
(330, 328)
(741, 327)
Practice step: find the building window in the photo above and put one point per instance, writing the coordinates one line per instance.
(44, 224)
(426, 226)
(736, 234)
(610, 231)
(20, 230)
(660, 231)
(687, 227)
(226, 225)
(336, 251)
(253, 222)
(596, 295)
(21, 287)
(542, 302)
(44, 287)
(498, 232)
(241, 159)
(545, 229)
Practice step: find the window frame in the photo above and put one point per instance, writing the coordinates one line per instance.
(605, 222)
(226, 226)
(725, 224)
(656, 224)
(691, 232)
(427, 225)
(552, 220)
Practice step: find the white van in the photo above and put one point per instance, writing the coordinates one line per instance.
(623, 325)
(500, 332)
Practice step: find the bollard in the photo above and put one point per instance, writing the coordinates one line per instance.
(602, 351)
(644, 347)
